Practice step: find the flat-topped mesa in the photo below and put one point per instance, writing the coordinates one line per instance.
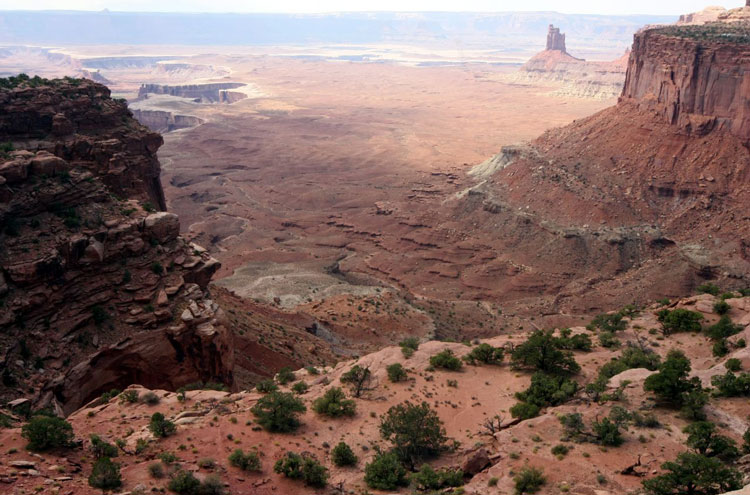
(556, 39)
(696, 77)
(97, 288)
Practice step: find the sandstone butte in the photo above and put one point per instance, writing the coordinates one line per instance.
(100, 292)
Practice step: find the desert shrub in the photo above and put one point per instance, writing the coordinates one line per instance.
(266, 386)
(631, 357)
(578, 342)
(101, 449)
(285, 375)
(429, 479)
(608, 323)
(485, 354)
(167, 457)
(161, 427)
(129, 397)
(679, 320)
(301, 467)
(184, 483)
(560, 449)
(300, 388)
(156, 470)
(723, 328)
(396, 373)
(100, 316)
(206, 463)
(446, 360)
(542, 352)
(607, 432)
(524, 410)
(415, 431)
(47, 433)
(157, 268)
(278, 412)
(648, 420)
(385, 472)
(334, 404)
(721, 307)
(359, 379)
(712, 289)
(705, 440)
(105, 474)
(409, 346)
(548, 390)
(733, 364)
(150, 398)
(608, 340)
(693, 473)
(731, 385)
(212, 485)
(720, 348)
(343, 455)
(312, 370)
(573, 426)
(246, 462)
(672, 385)
(529, 480)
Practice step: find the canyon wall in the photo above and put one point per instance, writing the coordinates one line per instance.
(163, 121)
(693, 83)
(205, 93)
(97, 288)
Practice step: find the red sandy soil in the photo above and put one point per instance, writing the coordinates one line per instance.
(220, 422)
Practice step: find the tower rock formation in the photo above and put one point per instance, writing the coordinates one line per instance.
(555, 39)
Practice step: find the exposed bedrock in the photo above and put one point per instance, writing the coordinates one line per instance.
(97, 288)
(695, 84)
(163, 121)
(205, 93)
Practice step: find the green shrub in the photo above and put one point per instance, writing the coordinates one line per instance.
(529, 480)
(721, 307)
(630, 358)
(157, 268)
(608, 340)
(396, 373)
(184, 483)
(648, 420)
(300, 388)
(285, 375)
(246, 462)
(578, 342)
(101, 449)
(129, 397)
(385, 472)
(705, 440)
(573, 426)
(485, 354)
(415, 431)
(266, 386)
(446, 360)
(733, 364)
(343, 455)
(712, 289)
(334, 404)
(105, 475)
(723, 328)
(694, 473)
(671, 383)
(607, 433)
(278, 412)
(47, 433)
(206, 463)
(429, 479)
(161, 427)
(731, 385)
(547, 390)
(298, 467)
(720, 348)
(524, 410)
(359, 379)
(560, 449)
(409, 346)
(679, 320)
(99, 315)
(542, 352)
(608, 323)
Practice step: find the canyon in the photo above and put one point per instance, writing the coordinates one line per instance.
(302, 215)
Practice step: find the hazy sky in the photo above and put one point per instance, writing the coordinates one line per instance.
(567, 6)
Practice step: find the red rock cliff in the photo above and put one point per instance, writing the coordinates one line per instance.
(97, 289)
(696, 84)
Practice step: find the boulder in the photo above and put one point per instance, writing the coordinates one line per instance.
(476, 461)
(14, 170)
(45, 163)
(94, 253)
(162, 226)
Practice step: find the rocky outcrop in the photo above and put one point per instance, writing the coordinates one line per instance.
(202, 93)
(573, 76)
(697, 82)
(97, 289)
(163, 121)
(555, 40)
